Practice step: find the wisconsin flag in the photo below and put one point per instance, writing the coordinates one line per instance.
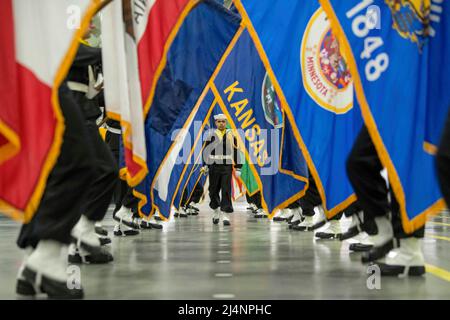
(192, 54)
(398, 55)
(246, 95)
(311, 77)
(39, 42)
(122, 85)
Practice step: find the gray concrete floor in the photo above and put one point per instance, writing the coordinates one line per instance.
(252, 259)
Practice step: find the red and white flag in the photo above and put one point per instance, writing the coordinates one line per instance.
(39, 41)
(122, 86)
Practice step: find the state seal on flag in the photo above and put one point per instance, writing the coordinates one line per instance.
(271, 103)
(325, 74)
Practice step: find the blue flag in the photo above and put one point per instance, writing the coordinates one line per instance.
(192, 58)
(398, 53)
(246, 95)
(312, 78)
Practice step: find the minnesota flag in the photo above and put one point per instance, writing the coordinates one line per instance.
(398, 56)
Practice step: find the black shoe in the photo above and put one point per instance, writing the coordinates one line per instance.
(183, 215)
(97, 258)
(194, 213)
(132, 225)
(54, 289)
(331, 236)
(145, 225)
(360, 247)
(176, 215)
(350, 233)
(24, 288)
(104, 241)
(226, 223)
(155, 225)
(126, 233)
(158, 218)
(215, 221)
(389, 270)
(292, 224)
(101, 231)
(319, 225)
(377, 253)
(279, 219)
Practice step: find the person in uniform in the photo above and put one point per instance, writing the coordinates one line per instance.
(105, 172)
(220, 154)
(364, 171)
(47, 236)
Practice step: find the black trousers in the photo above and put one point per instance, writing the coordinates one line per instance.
(123, 193)
(443, 162)
(364, 172)
(220, 182)
(197, 194)
(104, 178)
(67, 185)
(311, 199)
(255, 199)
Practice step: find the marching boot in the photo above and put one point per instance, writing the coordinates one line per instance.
(297, 217)
(355, 226)
(333, 231)
(79, 255)
(124, 231)
(154, 224)
(104, 241)
(83, 234)
(289, 215)
(226, 219)
(216, 216)
(23, 288)
(192, 212)
(406, 260)
(260, 214)
(306, 225)
(144, 224)
(45, 271)
(183, 213)
(125, 216)
(192, 207)
(360, 243)
(100, 230)
(383, 241)
(281, 216)
(319, 218)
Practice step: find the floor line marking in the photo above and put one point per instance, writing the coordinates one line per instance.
(439, 223)
(223, 275)
(439, 237)
(224, 296)
(438, 272)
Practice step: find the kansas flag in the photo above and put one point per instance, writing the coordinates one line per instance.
(313, 79)
(246, 95)
(398, 53)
